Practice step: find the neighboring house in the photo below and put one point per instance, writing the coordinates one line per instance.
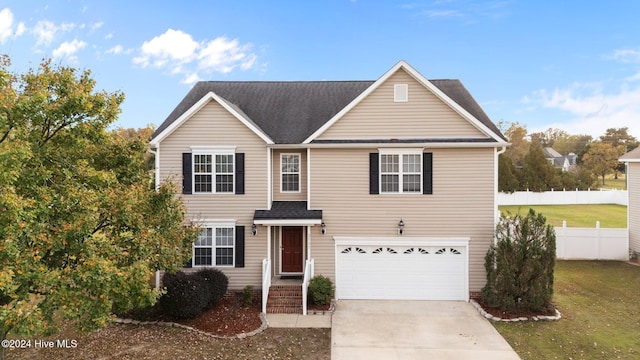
(632, 160)
(559, 161)
(389, 186)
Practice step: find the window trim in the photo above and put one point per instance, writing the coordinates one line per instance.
(400, 173)
(299, 174)
(213, 151)
(225, 224)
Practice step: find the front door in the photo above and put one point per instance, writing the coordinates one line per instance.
(292, 250)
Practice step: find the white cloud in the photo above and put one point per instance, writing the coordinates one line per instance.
(119, 49)
(69, 49)
(626, 56)
(20, 29)
(173, 45)
(45, 31)
(6, 21)
(191, 79)
(178, 53)
(591, 110)
(223, 55)
(96, 26)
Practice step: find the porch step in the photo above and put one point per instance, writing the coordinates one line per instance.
(285, 299)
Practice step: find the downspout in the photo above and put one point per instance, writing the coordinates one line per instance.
(496, 212)
(156, 160)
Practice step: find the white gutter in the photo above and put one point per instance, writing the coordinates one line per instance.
(390, 145)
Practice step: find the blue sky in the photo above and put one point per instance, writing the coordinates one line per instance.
(573, 65)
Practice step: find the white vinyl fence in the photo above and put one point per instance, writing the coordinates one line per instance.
(592, 243)
(580, 243)
(563, 197)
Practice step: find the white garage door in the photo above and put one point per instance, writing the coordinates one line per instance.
(419, 269)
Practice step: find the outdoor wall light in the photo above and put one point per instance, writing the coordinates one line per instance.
(254, 229)
(401, 227)
(323, 228)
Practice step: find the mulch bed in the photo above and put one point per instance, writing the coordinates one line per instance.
(513, 314)
(228, 318)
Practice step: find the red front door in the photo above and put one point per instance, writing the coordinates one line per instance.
(292, 249)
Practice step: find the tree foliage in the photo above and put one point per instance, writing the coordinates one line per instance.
(539, 173)
(601, 159)
(517, 135)
(81, 229)
(520, 265)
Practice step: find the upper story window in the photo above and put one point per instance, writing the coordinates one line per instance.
(213, 170)
(401, 172)
(290, 172)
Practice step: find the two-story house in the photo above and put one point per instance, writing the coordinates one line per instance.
(387, 187)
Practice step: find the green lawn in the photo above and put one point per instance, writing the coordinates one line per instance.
(600, 306)
(610, 182)
(609, 215)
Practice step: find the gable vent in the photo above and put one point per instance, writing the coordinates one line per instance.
(400, 92)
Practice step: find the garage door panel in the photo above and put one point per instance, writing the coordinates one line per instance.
(401, 272)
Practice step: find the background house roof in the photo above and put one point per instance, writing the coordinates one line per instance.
(633, 155)
(289, 112)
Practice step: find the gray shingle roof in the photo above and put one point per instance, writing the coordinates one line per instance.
(289, 112)
(287, 210)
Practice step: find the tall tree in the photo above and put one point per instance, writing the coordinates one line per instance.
(622, 141)
(549, 137)
(517, 135)
(507, 175)
(539, 174)
(81, 229)
(601, 159)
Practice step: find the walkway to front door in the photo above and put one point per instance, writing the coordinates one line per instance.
(292, 249)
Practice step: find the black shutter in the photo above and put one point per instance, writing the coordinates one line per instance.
(374, 179)
(239, 246)
(427, 173)
(239, 173)
(186, 173)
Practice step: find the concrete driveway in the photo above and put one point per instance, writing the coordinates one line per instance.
(368, 329)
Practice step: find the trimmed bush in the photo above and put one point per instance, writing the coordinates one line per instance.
(320, 290)
(186, 297)
(247, 296)
(218, 284)
(520, 266)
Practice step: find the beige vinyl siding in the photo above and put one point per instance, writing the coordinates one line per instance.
(276, 179)
(423, 115)
(214, 126)
(633, 176)
(462, 203)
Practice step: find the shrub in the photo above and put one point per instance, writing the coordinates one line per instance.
(520, 265)
(247, 295)
(218, 284)
(320, 290)
(186, 297)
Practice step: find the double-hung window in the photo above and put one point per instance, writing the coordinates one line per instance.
(290, 172)
(213, 171)
(214, 246)
(401, 171)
